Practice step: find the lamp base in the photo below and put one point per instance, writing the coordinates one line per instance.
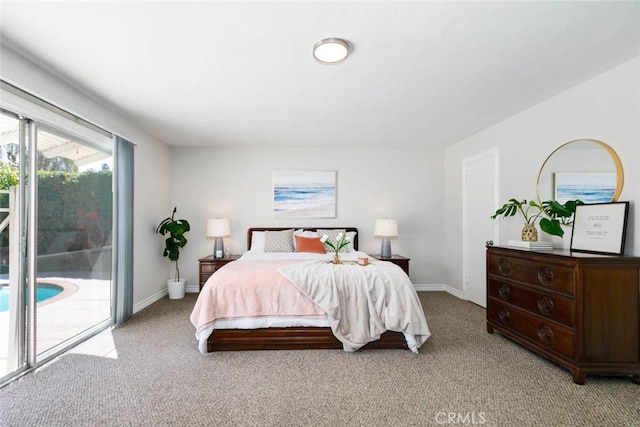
(385, 250)
(218, 248)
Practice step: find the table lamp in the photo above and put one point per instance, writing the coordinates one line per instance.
(218, 228)
(386, 228)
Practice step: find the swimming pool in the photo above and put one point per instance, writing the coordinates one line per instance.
(44, 291)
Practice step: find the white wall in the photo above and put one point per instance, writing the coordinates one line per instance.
(606, 108)
(407, 184)
(152, 163)
(236, 183)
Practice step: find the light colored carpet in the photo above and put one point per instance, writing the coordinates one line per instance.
(462, 376)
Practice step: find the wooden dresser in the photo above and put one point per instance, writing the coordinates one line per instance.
(578, 310)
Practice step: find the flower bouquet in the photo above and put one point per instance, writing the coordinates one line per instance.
(341, 241)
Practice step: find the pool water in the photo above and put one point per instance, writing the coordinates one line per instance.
(43, 292)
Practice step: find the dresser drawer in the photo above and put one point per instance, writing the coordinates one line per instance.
(544, 334)
(554, 307)
(209, 268)
(206, 270)
(553, 277)
(209, 265)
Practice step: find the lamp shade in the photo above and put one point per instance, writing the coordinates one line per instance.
(386, 228)
(218, 227)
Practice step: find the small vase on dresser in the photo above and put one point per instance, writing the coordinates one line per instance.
(529, 233)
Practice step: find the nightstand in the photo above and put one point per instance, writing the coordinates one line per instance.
(209, 265)
(398, 260)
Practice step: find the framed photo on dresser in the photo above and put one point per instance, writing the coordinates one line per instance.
(600, 228)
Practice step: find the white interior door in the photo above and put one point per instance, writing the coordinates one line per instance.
(480, 195)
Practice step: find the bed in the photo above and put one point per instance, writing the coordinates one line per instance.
(228, 317)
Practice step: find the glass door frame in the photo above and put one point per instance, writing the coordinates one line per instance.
(18, 361)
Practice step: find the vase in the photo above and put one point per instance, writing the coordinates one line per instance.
(336, 259)
(529, 233)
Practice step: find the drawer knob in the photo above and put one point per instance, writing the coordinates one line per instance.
(504, 291)
(546, 275)
(545, 333)
(504, 316)
(545, 305)
(504, 266)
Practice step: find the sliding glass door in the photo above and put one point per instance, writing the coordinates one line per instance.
(74, 217)
(56, 228)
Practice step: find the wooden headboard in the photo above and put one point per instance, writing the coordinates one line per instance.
(251, 230)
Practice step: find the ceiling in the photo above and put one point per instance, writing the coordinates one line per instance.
(420, 74)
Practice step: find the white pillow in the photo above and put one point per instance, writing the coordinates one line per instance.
(350, 235)
(309, 233)
(257, 241)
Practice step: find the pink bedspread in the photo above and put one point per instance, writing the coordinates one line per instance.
(251, 288)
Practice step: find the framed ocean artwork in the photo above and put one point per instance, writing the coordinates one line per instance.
(304, 194)
(591, 187)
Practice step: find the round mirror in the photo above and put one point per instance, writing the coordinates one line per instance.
(583, 169)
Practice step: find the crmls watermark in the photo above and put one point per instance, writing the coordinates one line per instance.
(473, 418)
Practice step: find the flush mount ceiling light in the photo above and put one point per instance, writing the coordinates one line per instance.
(330, 51)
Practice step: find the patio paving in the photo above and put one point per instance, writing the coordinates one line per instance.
(83, 304)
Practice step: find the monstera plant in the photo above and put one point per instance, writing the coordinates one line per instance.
(557, 215)
(552, 215)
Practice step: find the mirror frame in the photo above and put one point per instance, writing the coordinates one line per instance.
(607, 148)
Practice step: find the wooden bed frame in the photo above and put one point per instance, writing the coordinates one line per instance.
(295, 338)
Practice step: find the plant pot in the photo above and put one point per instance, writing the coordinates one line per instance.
(529, 233)
(176, 288)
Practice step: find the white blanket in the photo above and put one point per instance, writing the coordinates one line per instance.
(362, 302)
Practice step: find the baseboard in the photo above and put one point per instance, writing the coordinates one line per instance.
(192, 289)
(439, 288)
(148, 301)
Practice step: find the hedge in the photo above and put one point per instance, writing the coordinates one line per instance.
(74, 209)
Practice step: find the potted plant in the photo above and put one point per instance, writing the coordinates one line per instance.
(552, 214)
(174, 230)
(515, 206)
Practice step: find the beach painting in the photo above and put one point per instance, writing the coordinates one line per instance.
(590, 187)
(304, 194)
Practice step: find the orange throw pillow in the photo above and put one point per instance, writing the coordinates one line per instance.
(310, 244)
